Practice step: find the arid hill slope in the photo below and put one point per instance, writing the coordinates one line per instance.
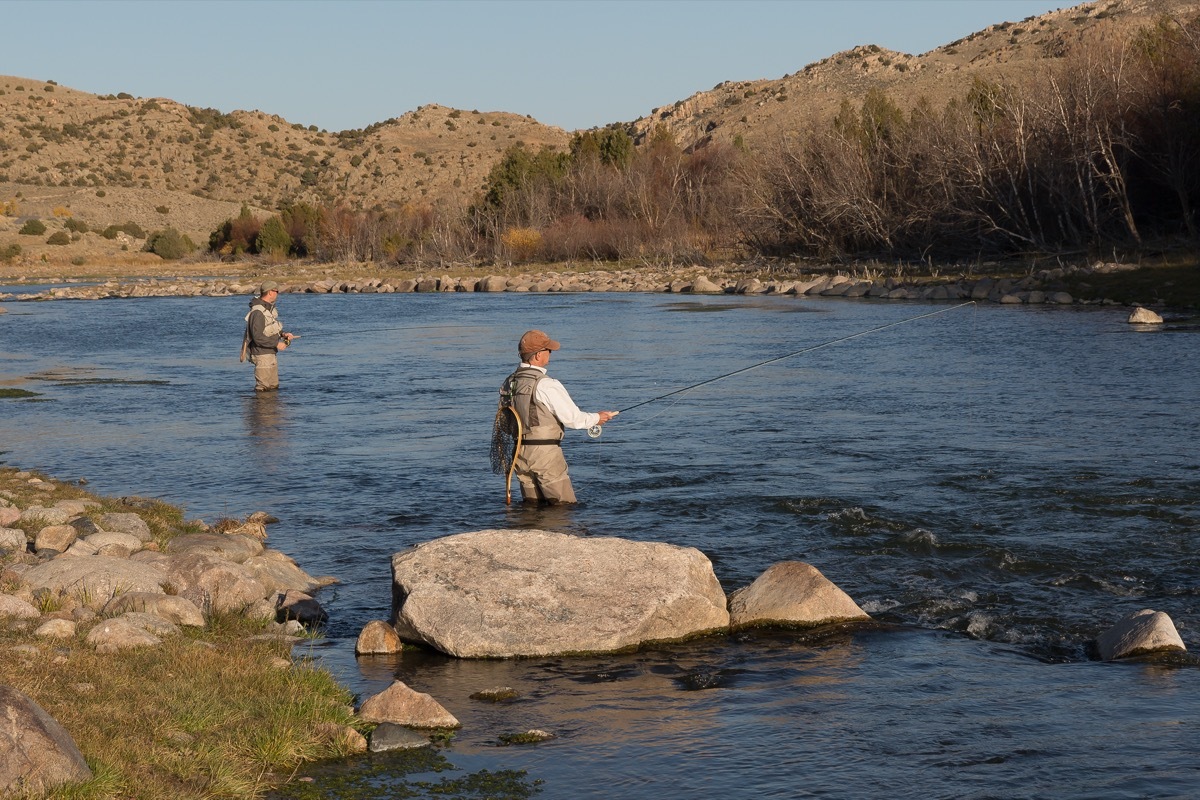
(760, 111)
(111, 159)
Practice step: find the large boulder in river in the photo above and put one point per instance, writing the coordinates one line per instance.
(36, 752)
(792, 593)
(498, 594)
(1145, 631)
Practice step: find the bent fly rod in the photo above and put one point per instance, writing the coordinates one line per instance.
(595, 431)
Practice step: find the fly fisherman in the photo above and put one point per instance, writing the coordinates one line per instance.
(545, 410)
(265, 337)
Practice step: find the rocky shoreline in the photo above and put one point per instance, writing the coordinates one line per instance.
(1045, 286)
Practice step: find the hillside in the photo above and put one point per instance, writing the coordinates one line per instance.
(760, 111)
(112, 159)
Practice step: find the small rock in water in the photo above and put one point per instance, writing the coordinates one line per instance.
(501, 694)
(1144, 316)
(702, 679)
(532, 736)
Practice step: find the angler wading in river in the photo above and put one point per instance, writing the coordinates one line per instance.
(535, 410)
(265, 337)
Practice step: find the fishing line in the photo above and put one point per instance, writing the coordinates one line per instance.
(595, 430)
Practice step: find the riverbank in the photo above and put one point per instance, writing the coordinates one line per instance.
(225, 706)
(1097, 284)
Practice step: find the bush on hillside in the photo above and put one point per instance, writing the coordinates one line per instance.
(10, 252)
(169, 244)
(130, 228)
(75, 225)
(34, 227)
(59, 237)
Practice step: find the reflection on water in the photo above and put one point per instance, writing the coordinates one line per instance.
(995, 485)
(266, 431)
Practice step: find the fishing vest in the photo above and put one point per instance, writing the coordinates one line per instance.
(272, 326)
(520, 389)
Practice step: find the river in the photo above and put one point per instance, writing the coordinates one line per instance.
(995, 485)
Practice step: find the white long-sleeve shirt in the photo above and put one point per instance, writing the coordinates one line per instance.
(553, 396)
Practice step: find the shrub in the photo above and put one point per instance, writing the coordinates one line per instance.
(10, 252)
(273, 238)
(100, 193)
(163, 210)
(522, 243)
(34, 227)
(131, 228)
(78, 261)
(168, 244)
(76, 225)
(59, 237)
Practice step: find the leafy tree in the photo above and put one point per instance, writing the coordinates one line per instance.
(273, 238)
(236, 236)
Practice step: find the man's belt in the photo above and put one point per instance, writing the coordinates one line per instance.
(542, 441)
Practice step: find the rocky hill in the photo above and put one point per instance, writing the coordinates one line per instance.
(112, 159)
(1009, 52)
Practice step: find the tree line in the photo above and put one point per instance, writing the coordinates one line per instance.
(1100, 151)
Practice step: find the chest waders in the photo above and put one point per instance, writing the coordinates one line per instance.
(518, 423)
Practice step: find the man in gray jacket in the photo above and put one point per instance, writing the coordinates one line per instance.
(265, 337)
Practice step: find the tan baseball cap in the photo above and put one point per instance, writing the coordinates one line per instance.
(534, 342)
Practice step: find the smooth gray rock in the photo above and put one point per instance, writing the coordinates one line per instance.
(794, 593)
(279, 573)
(36, 752)
(126, 522)
(93, 580)
(46, 516)
(505, 593)
(169, 607)
(390, 736)
(114, 635)
(230, 547)
(703, 285)
(214, 584)
(55, 629)
(16, 607)
(130, 542)
(12, 539)
(1141, 632)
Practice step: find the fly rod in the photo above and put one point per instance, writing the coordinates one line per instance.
(595, 430)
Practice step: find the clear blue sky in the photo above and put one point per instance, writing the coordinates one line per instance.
(348, 63)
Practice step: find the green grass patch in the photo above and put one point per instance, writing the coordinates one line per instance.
(17, 393)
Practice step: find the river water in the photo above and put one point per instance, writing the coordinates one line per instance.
(996, 485)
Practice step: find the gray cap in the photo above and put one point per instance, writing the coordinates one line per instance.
(268, 286)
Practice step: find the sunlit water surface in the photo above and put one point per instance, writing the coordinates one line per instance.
(996, 485)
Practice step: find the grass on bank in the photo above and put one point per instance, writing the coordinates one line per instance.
(210, 713)
(206, 715)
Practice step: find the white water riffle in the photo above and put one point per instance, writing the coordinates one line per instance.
(998, 485)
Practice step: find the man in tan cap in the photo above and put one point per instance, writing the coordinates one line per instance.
(265, 337)
(545, 410)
